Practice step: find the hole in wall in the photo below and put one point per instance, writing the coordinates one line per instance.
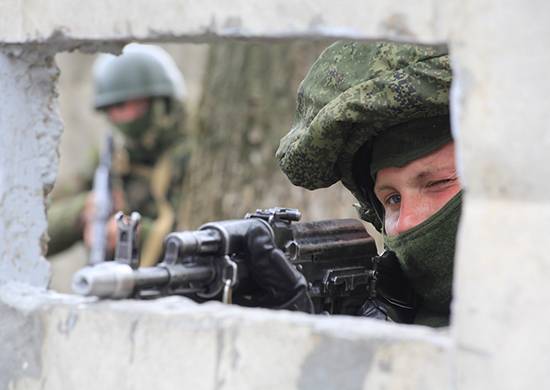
(240, 99)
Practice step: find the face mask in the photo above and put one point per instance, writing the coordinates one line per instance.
(148, 136)
(136, 129)
(426, 254)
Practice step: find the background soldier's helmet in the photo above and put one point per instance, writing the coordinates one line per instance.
(141, 71)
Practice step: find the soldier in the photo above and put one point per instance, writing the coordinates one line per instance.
(141, 94)
(376, 117)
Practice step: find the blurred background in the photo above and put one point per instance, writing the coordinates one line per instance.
(240, 102)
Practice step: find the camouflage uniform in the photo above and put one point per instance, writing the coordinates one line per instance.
(149, 170)
(353, 93)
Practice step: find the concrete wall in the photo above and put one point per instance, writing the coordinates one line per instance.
(501, 59)
(30, 131)
(498, 338)
(176, 343)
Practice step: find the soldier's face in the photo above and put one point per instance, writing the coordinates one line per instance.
(413, 193)
(127, 111)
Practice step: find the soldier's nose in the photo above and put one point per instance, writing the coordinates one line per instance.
(410, 215)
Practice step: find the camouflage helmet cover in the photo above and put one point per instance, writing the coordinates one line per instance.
(353, 92)
(140, 71)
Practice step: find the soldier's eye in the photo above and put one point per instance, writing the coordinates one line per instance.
(393, 200)
(440, 183)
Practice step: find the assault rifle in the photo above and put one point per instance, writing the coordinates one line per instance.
(103, 204)
(337, 257)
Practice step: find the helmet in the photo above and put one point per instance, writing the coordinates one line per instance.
(140, 71)
(351, 95)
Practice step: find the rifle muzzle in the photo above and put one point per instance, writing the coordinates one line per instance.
(105, 280)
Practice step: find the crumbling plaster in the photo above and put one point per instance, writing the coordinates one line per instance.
(65, 20)
(30, 134)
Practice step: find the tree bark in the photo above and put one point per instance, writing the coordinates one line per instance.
(248, 103)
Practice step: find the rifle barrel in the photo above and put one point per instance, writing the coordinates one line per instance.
(117, 280)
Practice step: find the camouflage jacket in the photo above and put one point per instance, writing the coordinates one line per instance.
(154, 189)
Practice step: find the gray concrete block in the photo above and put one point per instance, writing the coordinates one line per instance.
(501, 63)
(65, 21)
(28, 160)
(73, 343)
(500, 321)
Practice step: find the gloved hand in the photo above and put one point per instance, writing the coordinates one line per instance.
(277, 283)
(394, 298)
(374, 308)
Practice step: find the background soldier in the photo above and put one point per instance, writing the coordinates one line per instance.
(376, 117)
(141, 93)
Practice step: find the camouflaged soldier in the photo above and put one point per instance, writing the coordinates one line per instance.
(376, 117)
(141, 94)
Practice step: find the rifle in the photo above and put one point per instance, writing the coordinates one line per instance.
(337, 257)
(102, 193)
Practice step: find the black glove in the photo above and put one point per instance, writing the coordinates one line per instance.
(277, 283)
(393, 298)
(373, 308)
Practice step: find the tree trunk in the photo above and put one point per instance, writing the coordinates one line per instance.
(248, 104)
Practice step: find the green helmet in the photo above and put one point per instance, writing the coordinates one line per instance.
(140, 71)
(352, 94)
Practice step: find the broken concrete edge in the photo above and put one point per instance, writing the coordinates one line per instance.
(64, 21)
(53, 45)
(41, 50)
(29, 159)
(51, 335)
(59, 42)
(29, 299)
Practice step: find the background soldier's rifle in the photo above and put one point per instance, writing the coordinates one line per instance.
(337, 257)
(103, 202)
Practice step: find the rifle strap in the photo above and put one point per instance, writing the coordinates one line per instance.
(160, 184)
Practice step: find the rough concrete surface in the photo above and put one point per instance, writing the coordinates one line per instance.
(501, 287)
(65, 20)
(502, 119)
(28, 160)
(22, 331)
(500, 323)
(76, 343)
(22, 337)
